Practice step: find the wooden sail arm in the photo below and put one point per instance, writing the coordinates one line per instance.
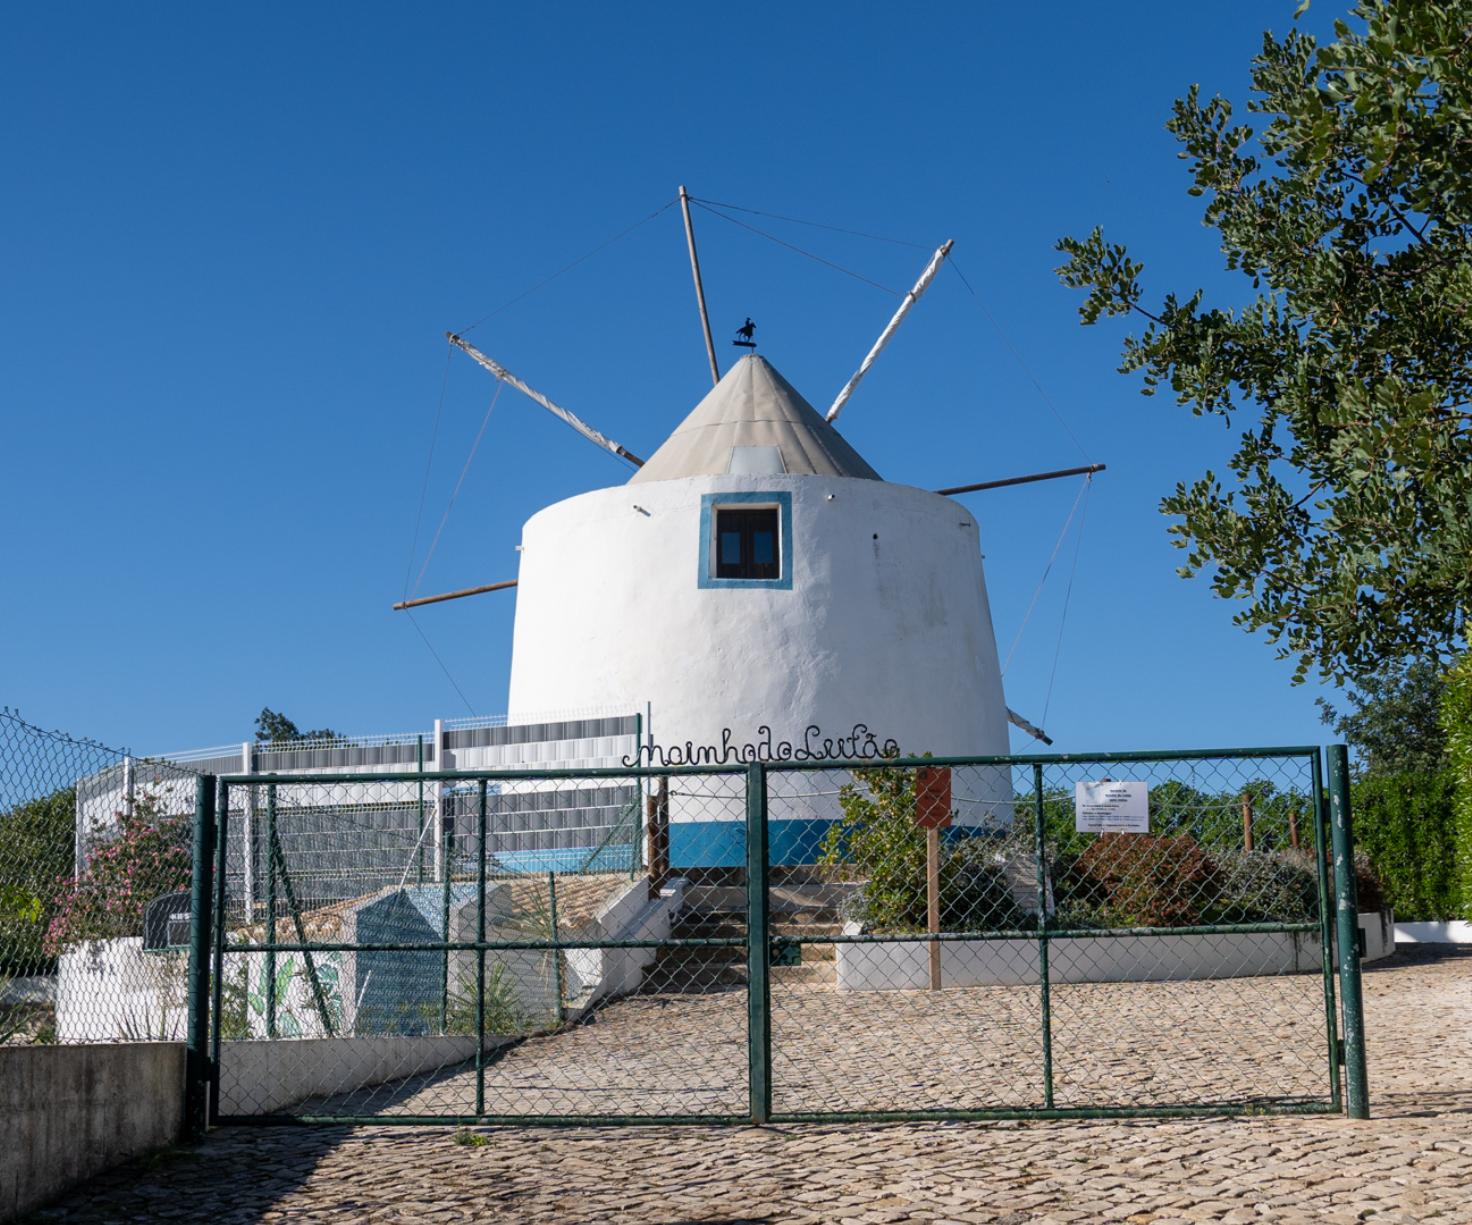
(577, 423)
(710, 345)
(454, 595)
(884, 337)
(1022, 480)
(1036, 733)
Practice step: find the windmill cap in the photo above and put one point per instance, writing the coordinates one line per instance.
(753, 422)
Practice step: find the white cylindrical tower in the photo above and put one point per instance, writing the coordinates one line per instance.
(757, 574)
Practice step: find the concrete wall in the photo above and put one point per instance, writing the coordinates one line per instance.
(1453, 931)
(905, 965)
(597, 974)
(69, 1112)
(262, 1077)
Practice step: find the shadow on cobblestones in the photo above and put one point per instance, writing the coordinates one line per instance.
(1417, 955)
(1411, 1163)
(236, 1175)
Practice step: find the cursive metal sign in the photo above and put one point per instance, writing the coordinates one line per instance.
(858, 745)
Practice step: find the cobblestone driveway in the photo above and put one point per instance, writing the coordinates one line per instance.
(1244, 1041)
(1412, 1163)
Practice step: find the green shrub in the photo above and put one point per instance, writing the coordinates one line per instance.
(1456, 714)
(876, 841)
(37, 846)
(1265, 887)
(1405, 824)
(975, 893)
(502, 1013)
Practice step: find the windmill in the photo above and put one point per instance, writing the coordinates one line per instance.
(756, 578)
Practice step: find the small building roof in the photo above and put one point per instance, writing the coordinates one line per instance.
(753, 422)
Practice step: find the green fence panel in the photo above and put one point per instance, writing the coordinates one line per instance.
(960, 937)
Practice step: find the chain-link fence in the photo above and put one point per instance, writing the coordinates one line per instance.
(521, 954)
(1122, 934)
(1061, 935)
(96, 849)
(90, 836)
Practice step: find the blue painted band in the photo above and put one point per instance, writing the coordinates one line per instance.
(722, 844)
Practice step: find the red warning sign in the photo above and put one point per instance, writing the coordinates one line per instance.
(932, 797)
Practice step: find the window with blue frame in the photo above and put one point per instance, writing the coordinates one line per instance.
(746, 539)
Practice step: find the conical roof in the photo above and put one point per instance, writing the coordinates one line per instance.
(753, 422)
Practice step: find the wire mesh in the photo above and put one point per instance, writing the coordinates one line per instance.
(968, 936)
(90, 836)
(941, 938)
(516, 947)
(1020, 958)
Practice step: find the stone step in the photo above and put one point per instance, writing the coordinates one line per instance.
(695, 969)
(813, 928)
(810, 973)
(799, 899)
(712, 954)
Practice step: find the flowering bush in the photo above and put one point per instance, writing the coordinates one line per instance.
(1141, 880)
(149, 857)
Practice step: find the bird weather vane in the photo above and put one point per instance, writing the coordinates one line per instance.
(744, 335)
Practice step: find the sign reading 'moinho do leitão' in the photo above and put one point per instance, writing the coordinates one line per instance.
(858, 745)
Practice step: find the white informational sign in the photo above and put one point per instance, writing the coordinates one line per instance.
(1110, 807)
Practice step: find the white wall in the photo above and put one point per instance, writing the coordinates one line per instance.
(905, 965)
(600, 973)
(111, 990)
(887, 621)
(262, 1077)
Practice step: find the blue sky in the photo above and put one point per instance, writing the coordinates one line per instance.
(232, 241)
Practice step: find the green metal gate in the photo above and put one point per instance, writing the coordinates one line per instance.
(995, 937)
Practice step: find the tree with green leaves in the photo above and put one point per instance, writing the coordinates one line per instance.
(274, 728)
(1394, 721)
(1344, 521)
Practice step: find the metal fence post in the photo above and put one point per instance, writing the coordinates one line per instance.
(556, 949)
(270, 983)
(201, 902)
(1346, 910)
(636, 852)
(1043, 983)
(419, 841)
(443, 868)
(442, 761)
(758, 948)
(1326, 930)
(249, 836)
(480, 953)
(217, 991)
